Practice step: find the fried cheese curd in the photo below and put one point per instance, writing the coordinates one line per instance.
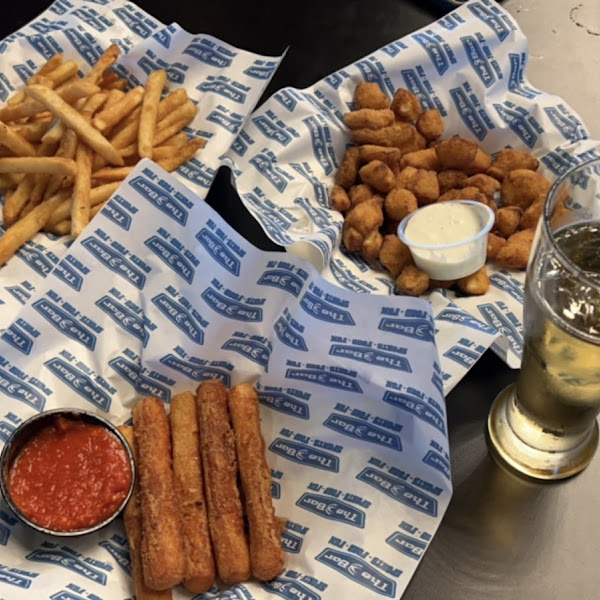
(398, 161)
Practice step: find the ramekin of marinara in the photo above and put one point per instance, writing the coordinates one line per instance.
(66, 472)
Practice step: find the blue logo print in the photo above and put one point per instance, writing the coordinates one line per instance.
(416, 407)
(206, 53)
(115, 261)
(144, 385)
(136, 25)
(284, 280)
(291, 543)
(217, 249)
(121, 556)
(468, 113)
(399, 490)
(461, 355)
(272, 131)
(231, 308)
(65, 323)
(124, 317)
(305, 455)
(333, 509)
(117, 215)
(17, 339)
(288, 336)
(478, 60)
(518, 124)
(195, 371)
(438, 462)
(407, 545)
(88, 52)
(181, 317)
(65, 272)
(361, 430)
(320, 138)
(493, 21)
(223, 88)
(10, 577)
(356, 569)
(290, 589)
(285, 403)
(36, 260)
(65, 559)
(264, 165)
(324, 311)
(508, 329)
(17, 389)
(434, 50)
(326, 378)
(252, 349)
(371, 356)
(164, 201)
(171, 257)
(418, 329)
(455, 315)
(79, 382)
(18, 293)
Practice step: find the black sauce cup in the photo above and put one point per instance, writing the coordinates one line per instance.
(25, 431)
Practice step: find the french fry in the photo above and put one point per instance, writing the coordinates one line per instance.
(55, 133)
(112, 115)
(112, 174)
(121, 84)
(72, 91)
(16, 98)
(62, 73)
(62, 228)
(73, 119)
(185, 112)
(183, 155)
(35, 131)
(98, 195)
(34, 164)
(15, 142)
(94, 103)
(26, 228)
(163, 152)
(50, 65)
(178, 140)
(106, 60)
(163, 135)
(13, 204)
(107, 78)
(66, 149)
(113, 96)
(154, 86)
(80, 210)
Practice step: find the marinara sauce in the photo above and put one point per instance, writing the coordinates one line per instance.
(70, 475)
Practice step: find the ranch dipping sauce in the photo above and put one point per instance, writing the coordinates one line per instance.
(448, 240)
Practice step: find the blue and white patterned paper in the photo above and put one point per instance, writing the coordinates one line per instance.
(352, 406)
(470, 65)
(225, 82)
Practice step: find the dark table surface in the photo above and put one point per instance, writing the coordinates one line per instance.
(502, 537)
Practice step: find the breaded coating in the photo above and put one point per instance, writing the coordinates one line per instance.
(422, 159)
(348, 170)
(451, 179)
(399, 203)
(476, 284)
(220, 468)
(480, 164)
(372, 244)
(369, 118)
(359, 193)
(398, 135)
(507, 220)
(406, 177)
(394, 254)
(508, 160)
(515, 253)
(366, 216)
(339, 199)
(456, 153)
(352, 238)
(532, 215)
(438, 284)
(412, 281)
(406, 105)
(200, 571)
(162, 547)
(494, 244)
(484, 183)
(522, 187)
(266, 553)
(466, 193)
(430, 124)
(425, 187)
(378, 175)
(390, 156)
(370, 95)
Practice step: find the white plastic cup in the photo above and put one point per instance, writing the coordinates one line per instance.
(447, 261)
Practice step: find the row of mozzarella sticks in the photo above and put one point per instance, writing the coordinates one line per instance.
(187, 520)
(397, 162)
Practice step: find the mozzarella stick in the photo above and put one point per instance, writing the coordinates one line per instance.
(266, 553)
(225, 518)
(189, 492)
(132, 519)
(162, 544)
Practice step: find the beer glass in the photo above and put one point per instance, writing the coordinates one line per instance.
(544, 425)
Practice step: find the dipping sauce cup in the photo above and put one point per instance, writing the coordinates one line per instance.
(66, 472)
(448, 240)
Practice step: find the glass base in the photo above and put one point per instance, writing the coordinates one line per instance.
(519, 443)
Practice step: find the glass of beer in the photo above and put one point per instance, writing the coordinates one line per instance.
(544, 425)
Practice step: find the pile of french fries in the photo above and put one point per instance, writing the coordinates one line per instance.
(67, 141)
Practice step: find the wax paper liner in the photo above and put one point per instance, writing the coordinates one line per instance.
(225, 82)
(350, 386)
(470, 65)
